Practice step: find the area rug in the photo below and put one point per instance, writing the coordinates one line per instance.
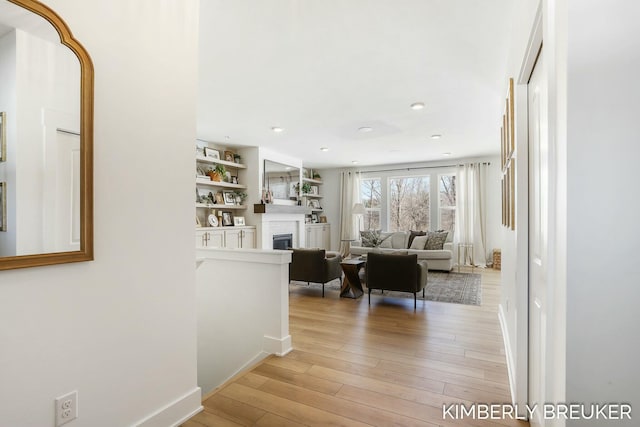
(457, 288)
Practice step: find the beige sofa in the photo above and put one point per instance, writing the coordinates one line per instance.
(399, 240)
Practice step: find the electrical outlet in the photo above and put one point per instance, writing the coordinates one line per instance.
(66, 408)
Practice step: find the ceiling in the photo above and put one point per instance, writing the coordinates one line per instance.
(323, 69)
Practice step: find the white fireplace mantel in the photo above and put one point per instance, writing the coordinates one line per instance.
(282, 223)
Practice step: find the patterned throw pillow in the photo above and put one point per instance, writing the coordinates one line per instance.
(366, 237)
(373, 238)
(435, 240)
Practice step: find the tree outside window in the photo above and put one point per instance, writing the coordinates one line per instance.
(371, 197)
(447, 201)
(409, 203)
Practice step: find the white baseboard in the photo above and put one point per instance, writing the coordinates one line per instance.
(277, 346)
(508, 353)
(176, 412)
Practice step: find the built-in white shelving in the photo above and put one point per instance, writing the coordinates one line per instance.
(211, 160)
(206, 181)
(220, 206)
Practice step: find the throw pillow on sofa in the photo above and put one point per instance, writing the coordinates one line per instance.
(435, 240)
(387, 243)
(372, 238)
(413, 235)
(419, 242)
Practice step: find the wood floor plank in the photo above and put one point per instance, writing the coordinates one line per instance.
(409, 380)
(356, 411)
(286, 408)
(446, 377)
(289, 363)
(273, 420)
(232, 410)
(381, 365)
(311, 382)
(390, 389)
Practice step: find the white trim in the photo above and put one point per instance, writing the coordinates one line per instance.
(508, 353)
(533, 49)
(176, 412)
(277, 346)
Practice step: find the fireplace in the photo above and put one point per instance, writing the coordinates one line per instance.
(282, 241)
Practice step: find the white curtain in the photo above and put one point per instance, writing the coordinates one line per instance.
(471, 212)
(350, 194)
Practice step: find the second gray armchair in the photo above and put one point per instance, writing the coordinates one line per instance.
(396, 273)
(315, 266)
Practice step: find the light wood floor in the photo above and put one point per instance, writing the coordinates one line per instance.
(384, 365)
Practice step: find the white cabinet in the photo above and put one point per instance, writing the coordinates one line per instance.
(318, 236)
(244, 237)
(209, 238)
(231, 238)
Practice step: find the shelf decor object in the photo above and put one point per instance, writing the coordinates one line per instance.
(508, 160)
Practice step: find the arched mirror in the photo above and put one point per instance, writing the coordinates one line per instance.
(46, 127)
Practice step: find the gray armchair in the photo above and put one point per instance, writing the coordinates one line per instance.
(315, 265)
(396, 273)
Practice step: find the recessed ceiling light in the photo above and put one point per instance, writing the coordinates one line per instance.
(355, 162)
(277, 129)
(446, 154)
(324, 148)
(365, 129)
(417, 106)
(227, 137)
(436, 136)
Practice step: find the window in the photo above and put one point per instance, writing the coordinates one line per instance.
(371, 196)
(409, 203)
(447, 206)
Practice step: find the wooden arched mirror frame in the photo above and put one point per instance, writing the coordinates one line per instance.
(84, 181)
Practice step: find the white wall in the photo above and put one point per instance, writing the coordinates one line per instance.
(121, 329)
(602, 341)
(243, 311)
(331, 189)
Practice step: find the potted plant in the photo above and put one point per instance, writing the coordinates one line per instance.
(240, 196)
(306, 188)
(316, 175)
(217, 174)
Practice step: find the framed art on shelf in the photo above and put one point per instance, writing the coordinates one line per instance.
(238, 220)
(211, 153)
(219, 198)
(227, 219)
(228, 156)
(229, 197)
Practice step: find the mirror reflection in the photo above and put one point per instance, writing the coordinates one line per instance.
(42, 169)
(282, 181)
